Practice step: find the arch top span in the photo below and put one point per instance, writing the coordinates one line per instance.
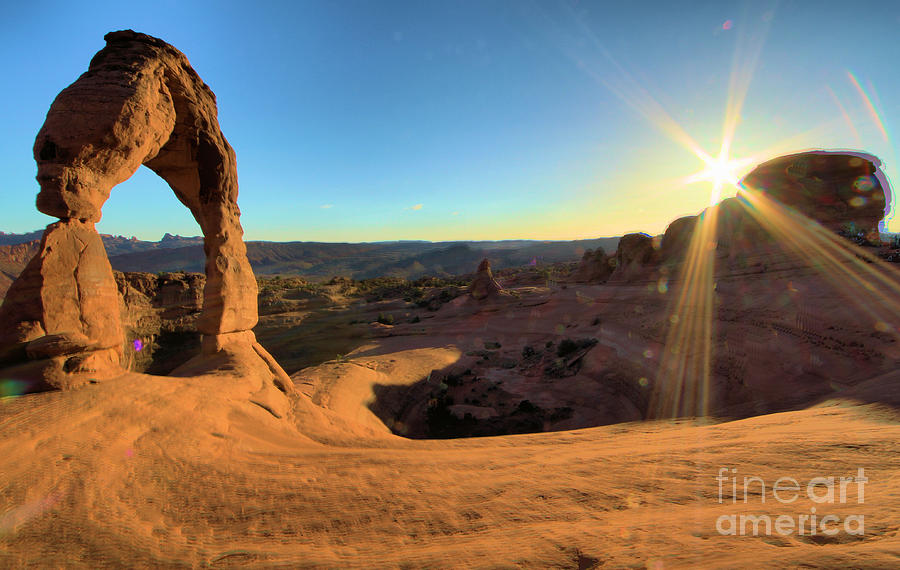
(139, 103)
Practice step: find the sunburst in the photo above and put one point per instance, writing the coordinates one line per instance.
(721, 171)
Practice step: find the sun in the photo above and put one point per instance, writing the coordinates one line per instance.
(722, 171)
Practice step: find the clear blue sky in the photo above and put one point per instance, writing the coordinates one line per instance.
(377, 120)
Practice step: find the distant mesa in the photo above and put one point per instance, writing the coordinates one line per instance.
(140, 102)
(483, 285)
(170, 240)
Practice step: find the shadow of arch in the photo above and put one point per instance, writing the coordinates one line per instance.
(139, 102)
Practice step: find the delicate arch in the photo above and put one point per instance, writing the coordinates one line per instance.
(139, 102)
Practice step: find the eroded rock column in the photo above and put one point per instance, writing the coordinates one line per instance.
(57, 314)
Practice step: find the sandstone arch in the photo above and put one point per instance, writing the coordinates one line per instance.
(139, 102)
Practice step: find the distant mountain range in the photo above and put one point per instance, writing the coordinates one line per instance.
(115, 245)
(364, 260)
(316, 260)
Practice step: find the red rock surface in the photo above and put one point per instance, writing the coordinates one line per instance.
(635, 255)
(677, 239)
(65, 290)
(832, 187)
(595, 266)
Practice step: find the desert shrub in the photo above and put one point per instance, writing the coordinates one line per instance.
(526, 407)
(528, 352)
(568, 346)
(385, 319)
(491, 345)
(556, 369)
(381, 288)
(434, 282)
(440, 421)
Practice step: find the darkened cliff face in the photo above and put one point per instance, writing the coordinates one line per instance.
(159, 315)
(836, 189)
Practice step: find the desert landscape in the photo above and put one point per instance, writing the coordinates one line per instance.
(725, 394)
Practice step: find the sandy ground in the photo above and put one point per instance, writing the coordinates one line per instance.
(148, 471)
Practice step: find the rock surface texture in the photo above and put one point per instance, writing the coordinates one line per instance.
(677, 239)
(140, 102)
(635, 257)
(13, 259)
(159, 316)
(483, 284)
(595, 266)
(834, 188)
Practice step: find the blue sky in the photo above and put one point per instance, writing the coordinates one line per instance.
(442, 120)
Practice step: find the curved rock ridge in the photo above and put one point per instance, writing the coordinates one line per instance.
(139, 103)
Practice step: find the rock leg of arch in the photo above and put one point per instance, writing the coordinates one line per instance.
(140, 102)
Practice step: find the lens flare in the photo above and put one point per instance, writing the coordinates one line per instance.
(10, 388)
(861, 277)
(845, 115)
(867, 101)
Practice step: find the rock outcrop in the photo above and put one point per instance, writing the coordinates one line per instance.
(139, 103)
(66, 291)
(483, 285)
(840, 190)
(595, 267)
(636, 257)
(13, 259)
(677, 239)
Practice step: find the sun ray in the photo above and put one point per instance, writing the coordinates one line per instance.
(863, 279)
(682, 386)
